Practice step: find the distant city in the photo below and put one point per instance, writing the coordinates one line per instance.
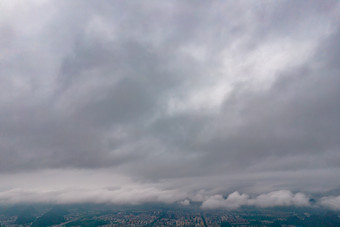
(161, 215)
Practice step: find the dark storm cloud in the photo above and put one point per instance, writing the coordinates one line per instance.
(198, 99)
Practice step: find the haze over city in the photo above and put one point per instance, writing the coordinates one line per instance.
(224, 104)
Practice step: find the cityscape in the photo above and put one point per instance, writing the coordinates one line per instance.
(161, 215)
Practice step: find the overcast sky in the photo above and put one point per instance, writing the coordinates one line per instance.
(228, 103)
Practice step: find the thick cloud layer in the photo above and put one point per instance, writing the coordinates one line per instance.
(200, 99)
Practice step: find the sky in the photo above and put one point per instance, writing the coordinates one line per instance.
(225, 103)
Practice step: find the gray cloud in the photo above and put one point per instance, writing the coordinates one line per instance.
(203, 101)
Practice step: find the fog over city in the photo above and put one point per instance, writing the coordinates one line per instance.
(224, 103)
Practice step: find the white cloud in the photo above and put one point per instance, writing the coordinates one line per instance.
(124, 195)
(234, 201)
(76, 186)
(332, 202)
(276, 198)
(185, 202)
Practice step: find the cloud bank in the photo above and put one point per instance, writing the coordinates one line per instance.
(276, 198)
(170, 99)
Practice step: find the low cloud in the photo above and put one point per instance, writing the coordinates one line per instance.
(277, 198)
(331, 202)
(125, 195)
(142, 193)
(185, 202)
